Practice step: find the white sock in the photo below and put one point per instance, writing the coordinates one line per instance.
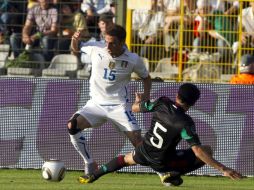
(79, 142)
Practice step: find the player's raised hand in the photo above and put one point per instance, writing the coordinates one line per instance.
(74, 43)
(76, 35)
(232, 174)
(138, 97)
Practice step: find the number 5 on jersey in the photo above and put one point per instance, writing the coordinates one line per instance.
(158, 127)
(109, 74)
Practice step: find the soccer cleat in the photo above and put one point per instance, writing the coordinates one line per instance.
(86, 179)
(171, 179)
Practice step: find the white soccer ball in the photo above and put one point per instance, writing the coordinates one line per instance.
(53, 170)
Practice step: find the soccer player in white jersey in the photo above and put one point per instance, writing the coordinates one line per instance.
(111, 72)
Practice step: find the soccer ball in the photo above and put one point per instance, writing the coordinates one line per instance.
(53, 170)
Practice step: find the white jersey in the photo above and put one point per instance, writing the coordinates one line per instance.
(110, 76)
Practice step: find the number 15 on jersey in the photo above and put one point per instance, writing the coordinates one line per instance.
(109, 74)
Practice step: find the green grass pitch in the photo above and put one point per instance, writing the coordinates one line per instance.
(12, 179)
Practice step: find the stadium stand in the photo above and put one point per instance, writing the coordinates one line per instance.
(71, 21)
(224, 20)
(35, 59)
(227, 28)
(62, 66)
(4, 53)
(83, 73)
(165, 70)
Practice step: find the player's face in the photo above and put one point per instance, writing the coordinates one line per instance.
(114, 46)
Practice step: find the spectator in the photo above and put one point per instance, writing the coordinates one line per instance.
(172, 7)
(72, 20)
(246, 75)
(4, 16)
(201, 28)
(173, 19)
(11, 20)
(113, 9)
(93, 9)
(227, 7)
(44, 16)
(31, 4)
(247, 37)
(218, 27)
(148, 25)
(105, 22)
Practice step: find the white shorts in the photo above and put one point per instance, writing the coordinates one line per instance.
(119, 115)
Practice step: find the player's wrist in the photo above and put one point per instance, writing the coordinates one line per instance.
(137, 102)
(223, 169)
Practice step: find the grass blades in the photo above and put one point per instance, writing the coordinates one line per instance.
(21, 179)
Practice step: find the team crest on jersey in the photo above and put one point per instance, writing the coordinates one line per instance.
(124, 64)
(112, 65)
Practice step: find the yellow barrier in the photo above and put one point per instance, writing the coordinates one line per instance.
(207, 62)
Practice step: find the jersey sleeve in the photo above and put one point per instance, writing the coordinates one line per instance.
(140, 68)
(150, 106)
(86, 52)
(189, 134)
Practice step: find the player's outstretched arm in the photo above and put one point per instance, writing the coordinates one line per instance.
(74, 43)
(231, 173)
(207, 158)
(136, 104)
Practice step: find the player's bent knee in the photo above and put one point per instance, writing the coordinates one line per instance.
(134, 137)
(73, 125)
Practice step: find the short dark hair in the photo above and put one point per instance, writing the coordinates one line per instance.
(106, 17)
(117, 31)
(188, 93)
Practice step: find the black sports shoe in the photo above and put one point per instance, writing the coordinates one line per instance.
(171, 179)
